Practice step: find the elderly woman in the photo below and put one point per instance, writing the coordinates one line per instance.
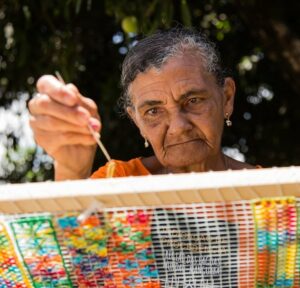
(175, 92)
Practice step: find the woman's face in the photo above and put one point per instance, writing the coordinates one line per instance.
(180, 110)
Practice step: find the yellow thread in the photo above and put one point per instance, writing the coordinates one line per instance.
(110, 171)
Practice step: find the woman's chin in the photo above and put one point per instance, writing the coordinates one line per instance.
(180, 158)
(184, 161)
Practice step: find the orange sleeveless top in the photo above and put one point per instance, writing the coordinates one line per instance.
(133, 167)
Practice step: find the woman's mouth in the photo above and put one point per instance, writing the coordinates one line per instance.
(183, 142)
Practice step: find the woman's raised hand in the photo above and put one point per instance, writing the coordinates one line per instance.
(60, 117)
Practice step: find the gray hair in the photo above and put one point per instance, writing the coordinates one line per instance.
(155, 50)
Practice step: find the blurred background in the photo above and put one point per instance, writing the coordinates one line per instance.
(86, 40)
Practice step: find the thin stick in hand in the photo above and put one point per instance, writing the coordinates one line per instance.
(95, 135)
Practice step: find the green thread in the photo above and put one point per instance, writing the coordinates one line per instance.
(40, 250)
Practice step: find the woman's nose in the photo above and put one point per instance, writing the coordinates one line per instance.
(179, 123)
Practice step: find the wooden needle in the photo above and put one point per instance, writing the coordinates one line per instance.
(95, 134)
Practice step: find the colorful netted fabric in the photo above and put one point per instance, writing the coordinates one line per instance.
(131, 257)
(276, 242)
(86, 244)
(230, 245)
(40, 252)
(12, 273)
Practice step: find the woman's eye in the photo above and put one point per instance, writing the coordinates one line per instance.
(152, 111)
(194, 100)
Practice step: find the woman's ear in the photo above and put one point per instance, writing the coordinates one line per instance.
(228, 94)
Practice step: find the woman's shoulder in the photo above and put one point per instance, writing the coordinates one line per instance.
(238, 165)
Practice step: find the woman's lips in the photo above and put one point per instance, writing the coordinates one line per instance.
(183, 142)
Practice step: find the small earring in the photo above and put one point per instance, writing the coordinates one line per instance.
(228, 121)
(146, 143)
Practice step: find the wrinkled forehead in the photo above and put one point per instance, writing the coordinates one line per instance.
(182, 68)
(181, 58)
(175, 77)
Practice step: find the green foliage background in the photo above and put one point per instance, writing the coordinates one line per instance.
(259, 41)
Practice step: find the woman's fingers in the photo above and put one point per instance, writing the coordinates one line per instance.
(90, 105)
(65, 94)
(53, 140)
(63, 101)
(44, 105)
(52, 124)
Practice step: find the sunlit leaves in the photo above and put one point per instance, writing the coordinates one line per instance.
(130, 24)
(248, 63)
(220, 23)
